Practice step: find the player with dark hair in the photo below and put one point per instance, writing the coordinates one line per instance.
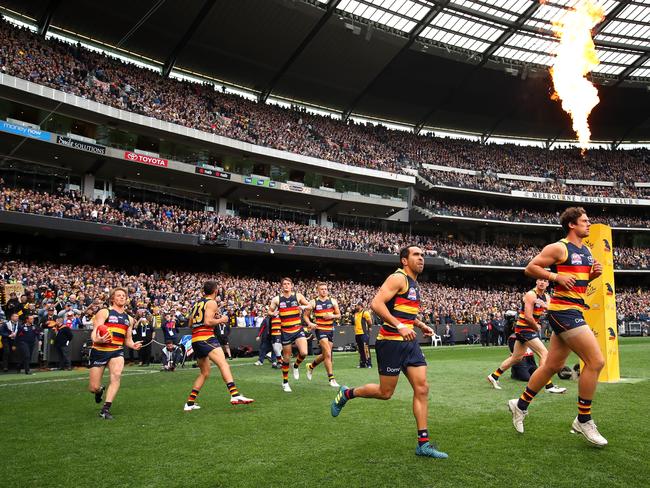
(289, 306)
(108, 348)
(572, 268)
(202, 320)
(398, 305)
(527, 329)
(326, 311)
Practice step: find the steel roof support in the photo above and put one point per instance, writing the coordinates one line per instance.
(510, 31)
(331, 7)
(513, 27)
(631, 68)
(413, 35)
(611, 16)
(173, 56)
(46, 18)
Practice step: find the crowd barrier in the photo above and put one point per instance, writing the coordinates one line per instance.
(343, 335)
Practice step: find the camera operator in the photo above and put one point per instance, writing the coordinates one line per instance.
(170, 329)
(510, 317)
(172, 356)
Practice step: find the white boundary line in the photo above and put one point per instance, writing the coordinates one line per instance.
(61, 380)
(85, 377)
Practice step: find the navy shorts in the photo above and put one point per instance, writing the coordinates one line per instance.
(222, 338)
(525, 335)
(97, 359)
(324, 334)
(564, 320)
(276, 339)
(393, 357)
(290, 338)
(203, 348)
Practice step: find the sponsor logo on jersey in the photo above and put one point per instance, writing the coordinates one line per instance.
(412, 294)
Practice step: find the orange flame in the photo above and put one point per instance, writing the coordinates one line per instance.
(576, 56)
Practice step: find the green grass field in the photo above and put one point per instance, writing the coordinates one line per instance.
(51, 435)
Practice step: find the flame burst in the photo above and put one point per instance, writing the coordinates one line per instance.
(576, 56)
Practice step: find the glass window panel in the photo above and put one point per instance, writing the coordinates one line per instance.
(457, 26)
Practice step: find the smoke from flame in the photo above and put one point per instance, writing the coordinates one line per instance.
(576, 56)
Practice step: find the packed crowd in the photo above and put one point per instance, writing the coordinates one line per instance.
(633, 304)
(212, 226)
(83, 289)
(524, 215)
(632, 258)
(489, 181)
(80, 290)
(73, 69)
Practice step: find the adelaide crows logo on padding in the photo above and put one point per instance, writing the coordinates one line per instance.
(610, 290)
(608, 248)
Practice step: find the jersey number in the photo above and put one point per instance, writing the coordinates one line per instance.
(197, 313)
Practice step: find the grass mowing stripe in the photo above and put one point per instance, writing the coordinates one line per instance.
(292, 438)
(126, 373)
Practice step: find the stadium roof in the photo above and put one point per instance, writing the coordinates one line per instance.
(518, 31)
(478, 66)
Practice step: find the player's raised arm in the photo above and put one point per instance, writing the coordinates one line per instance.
(100, 319)
(273, 308)
(426, 330)
(211, 311)
(128, 340)
(306, 314)
(529, 305)
(337, 311)
(304, 302)
(393, 285)
(551, 254)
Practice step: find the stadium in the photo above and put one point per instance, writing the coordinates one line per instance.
(223, 221)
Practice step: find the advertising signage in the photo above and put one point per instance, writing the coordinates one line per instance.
(21, 130)
(144, 159)
(255, 181)
(212, 172)
(84, 146)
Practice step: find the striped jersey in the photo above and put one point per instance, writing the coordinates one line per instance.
(577, 263)
(538, 311)
(321, 308)
(117, 323)
(200, 331)
(289, 311)
(403, 306)
(276, 326)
